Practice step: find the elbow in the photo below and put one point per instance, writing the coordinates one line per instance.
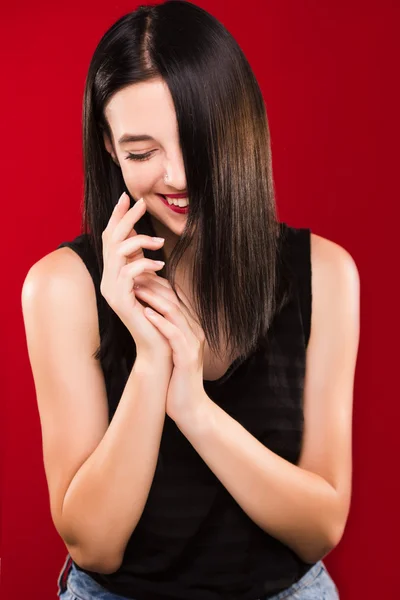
(315, 554)
(104, 566)
(336, 530)
(330, 534)
(337, 535)
(328, 541)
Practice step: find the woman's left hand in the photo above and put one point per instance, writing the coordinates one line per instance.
(186, 338)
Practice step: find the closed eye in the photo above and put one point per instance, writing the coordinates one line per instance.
(145, 156)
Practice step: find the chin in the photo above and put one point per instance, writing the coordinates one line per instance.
(171, 224)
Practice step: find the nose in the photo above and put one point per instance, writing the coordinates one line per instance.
(174, 176)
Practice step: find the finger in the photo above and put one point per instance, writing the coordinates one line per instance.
(154, 282)
(137, 267)
(191, 318)
(125, 225)
(171, 311)
(135, 243)
(145, 277)
(128, 273)
(151, 287)
(157, 278)
(172, 333)
(118, 212)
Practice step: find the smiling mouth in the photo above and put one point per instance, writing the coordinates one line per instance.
(183, 210)
(172, 201)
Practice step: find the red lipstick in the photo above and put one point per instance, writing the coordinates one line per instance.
(176, 195)
(177, 209)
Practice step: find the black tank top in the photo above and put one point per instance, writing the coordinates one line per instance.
(193, 540)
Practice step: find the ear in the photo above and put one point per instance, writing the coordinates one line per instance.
(109, 147)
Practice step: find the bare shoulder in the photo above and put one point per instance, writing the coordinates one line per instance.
(331, 261)
(335, 288)
(335, 275)
(57, 265)
(59, 275)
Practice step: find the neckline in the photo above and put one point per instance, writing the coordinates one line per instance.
(225, 375)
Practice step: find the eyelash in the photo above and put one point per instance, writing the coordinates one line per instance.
(145, 156)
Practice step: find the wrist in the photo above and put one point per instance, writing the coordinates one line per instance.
(198, 418)
(153, 364)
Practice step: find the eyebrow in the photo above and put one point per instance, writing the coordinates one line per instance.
(129, 137)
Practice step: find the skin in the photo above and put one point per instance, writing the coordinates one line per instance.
(147, 108)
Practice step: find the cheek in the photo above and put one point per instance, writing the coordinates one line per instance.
(134, 178)
(141, 178)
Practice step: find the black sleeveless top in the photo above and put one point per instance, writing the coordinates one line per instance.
(193, 540)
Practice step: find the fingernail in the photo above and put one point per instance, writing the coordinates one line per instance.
(121, 197)
(140, 201)
(156, 239)
(160, 262)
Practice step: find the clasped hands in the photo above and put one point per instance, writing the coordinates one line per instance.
(186, 337)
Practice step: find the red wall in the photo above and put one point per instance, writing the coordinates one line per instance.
(329, 74)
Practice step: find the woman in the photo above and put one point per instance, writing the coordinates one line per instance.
(202, 451)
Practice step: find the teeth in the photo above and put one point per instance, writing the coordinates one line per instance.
(181, 202)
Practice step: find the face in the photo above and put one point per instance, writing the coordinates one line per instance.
(147, 109)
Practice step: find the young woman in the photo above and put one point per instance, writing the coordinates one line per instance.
(202, 452)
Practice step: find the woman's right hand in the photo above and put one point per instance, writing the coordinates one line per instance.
(123, 261)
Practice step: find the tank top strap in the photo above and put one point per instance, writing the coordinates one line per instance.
(298, 245)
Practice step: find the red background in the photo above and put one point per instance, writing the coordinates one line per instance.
(329, 75)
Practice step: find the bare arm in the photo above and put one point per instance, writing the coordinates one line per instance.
(98, 474)
(106, 498)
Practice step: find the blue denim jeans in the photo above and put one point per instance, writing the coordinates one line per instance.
(316, 584)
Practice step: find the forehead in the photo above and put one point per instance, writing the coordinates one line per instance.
(144, 107)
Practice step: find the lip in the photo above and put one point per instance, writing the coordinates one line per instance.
(176, 195)
(176, 209)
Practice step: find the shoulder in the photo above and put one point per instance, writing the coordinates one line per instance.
(333, 268)
(335, 291)
(57, 285)
(62, 268)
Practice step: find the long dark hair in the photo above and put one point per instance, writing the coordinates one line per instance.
(225, 143)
